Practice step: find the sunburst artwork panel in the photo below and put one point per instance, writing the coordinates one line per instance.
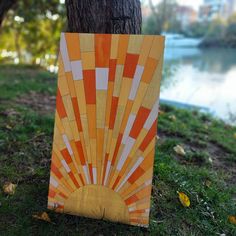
(105, 126)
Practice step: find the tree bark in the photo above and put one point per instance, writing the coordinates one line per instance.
(104, 16)
(5, 6)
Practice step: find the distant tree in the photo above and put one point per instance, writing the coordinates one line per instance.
(164, 15)
(35, 31)
(5, 6)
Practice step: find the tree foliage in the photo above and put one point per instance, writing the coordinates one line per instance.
(32, 29)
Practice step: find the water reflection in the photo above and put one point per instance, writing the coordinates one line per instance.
(205, 78)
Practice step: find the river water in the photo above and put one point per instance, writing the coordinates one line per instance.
(205, 78)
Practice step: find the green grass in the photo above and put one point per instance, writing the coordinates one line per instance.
(206, 174)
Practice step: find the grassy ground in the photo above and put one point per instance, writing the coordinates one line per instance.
(207, 174)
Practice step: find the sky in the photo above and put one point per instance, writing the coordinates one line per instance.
(192, 3)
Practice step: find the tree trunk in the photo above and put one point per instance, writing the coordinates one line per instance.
(104, 16)
(5, 5)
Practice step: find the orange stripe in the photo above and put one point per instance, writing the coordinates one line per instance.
(60, 105)
(66, 156)
(116, 182)
(117, 148)
(112, 69)
(77, 113)
(63, 195)
(73, 179)
(131, 200)
(105, 166)
(51, 193)
(138, 211)
(150, 135)
(91, 172)
(139, 122)
(102, 49)
(56, 171)
(81, 152)
(130, 65)
(122, 48)
(114, 104)
(137, 173)
(56, 160)
(81, 178)
(73, 46)
(149, 70)
(89, 86)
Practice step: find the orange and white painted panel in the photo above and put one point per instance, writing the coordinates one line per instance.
(105, 126)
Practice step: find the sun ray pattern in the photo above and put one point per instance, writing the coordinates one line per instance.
(105, 126)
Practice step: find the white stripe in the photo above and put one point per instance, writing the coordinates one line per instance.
(102, 78)
(94, 175)
(85, 168)
(135, 166)
(76, 67)
(64, 53)
(147, 210)
(152, 116)
(67, 168)
(67, 143)
(53, 182)
(128, 146)
(107, 172)
(136, 81)
(128, 127)
(148, 182)
(52, 204)
(131, 208)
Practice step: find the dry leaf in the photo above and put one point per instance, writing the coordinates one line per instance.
(9, 188)
(42, 216)
(210, 160)
(8, 127)
(172, 117)
(208, 183)
(184, 199)
(232, 219)
(179, 150)
(160, 112)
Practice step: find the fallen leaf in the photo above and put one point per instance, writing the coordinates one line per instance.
(42, 216)
(210, 160)
(179, 150)
(232, 219)
(184, 199)
(208, 183)
(172, 117)
(160, 112)
(9, 188)
(8, 127)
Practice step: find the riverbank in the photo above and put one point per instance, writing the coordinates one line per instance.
(206, 173)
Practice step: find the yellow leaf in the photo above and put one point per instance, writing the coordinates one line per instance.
(157, 138)
(8, 127)
(232, 219)
(172, 117)
(208, 183)
(42, 216)
(184, 199)
(9, 188)
(235, 135)
(179, 150)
